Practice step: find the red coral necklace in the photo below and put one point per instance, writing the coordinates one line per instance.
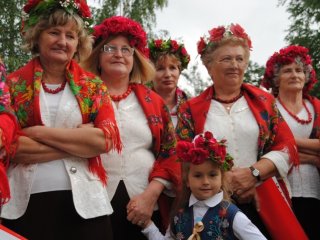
(53, 91)
(232, 100)
(118, 98)
(301, 121)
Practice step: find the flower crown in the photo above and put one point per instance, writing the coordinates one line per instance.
(205, 147)
(221, 32)
(158, 47)
(119, 25)
(4, 93)
(36, 9)
(287, 56)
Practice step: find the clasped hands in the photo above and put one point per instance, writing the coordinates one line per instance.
(140, 209)
(242, 185)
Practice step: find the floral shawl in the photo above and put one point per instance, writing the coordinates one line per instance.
(274, 133)
(316, 124)
(91, 95)
(9, 128)
(164, 143)
(181, 97)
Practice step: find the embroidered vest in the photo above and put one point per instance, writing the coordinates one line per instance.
(217, 222)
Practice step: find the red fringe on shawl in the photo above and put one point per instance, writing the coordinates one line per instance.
(9, 136)
(277, 214)
(111, 132)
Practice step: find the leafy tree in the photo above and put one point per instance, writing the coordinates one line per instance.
(305, 29)
(254, 73)
(10, 37)
(142, 11)
(194, 84)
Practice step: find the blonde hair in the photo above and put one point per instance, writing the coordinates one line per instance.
(142, 71)
(207, 56)
(59, 18)
(162, 58)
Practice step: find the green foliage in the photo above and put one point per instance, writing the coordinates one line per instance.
(10, 38)
(142, 11)
(194, 82)
(254, 73)
(305, 30)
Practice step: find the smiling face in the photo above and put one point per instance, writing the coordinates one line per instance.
(167, 74)
(204, 180)
(115, 65)
(291, 78)
(58, 44)
(228, 65)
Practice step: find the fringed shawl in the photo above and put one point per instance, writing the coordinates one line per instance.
(89, 90)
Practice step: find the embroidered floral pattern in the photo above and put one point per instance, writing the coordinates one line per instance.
(4, 93)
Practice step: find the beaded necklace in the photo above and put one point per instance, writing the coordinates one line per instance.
(118, 98)
(232, 100)
(53, 91)
(301, 121)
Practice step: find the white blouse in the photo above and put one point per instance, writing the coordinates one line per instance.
(134, 164)
(243, 228)
(304, 180)
(240, 129)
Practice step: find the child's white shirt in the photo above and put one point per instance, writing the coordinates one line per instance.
(243, 228)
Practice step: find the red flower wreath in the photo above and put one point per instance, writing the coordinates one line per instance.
(205, 147)
(160, 46)
(119, 25)
(221, 32)
(34, 9)
(287, 56)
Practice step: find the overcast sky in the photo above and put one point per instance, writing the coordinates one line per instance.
(264, 21)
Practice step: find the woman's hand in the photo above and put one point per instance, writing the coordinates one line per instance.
(140, 208)
(306, 158)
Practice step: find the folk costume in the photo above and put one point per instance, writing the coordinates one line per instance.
(149, 149)
(83, 100)
(274, 139)
(8, 129)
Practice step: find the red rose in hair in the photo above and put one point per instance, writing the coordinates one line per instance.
(238, 31)
(208, 135)
(216, 34)
(174, 45)
(84, 9)
(201, 45)
(182, 150)
(199, 142)
(184, 51)
(158, 43)
(198, 155)
(30, 4)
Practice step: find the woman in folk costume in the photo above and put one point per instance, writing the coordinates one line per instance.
(57, 180)
(8, 135)
(203, 210)
(290, 75)
(170, 58)
(258, 138)
(147, 165)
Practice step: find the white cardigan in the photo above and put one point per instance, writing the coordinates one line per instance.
(89, 196)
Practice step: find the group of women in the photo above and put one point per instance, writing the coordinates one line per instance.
(90, 151)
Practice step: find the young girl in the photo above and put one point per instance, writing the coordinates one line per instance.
(203, 211)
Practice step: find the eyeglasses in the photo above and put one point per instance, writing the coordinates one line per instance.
(125, 51)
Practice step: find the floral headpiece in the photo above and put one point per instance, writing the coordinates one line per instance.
(36, 9)
(119, 25)
(158, 47)
(4, 92)
(221, 32)
(205, 147)
(287, 56)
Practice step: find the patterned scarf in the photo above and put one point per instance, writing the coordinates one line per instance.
(91, 95)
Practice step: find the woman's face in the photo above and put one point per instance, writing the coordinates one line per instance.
(58, 44)
(228, 65)
(204, 180)
(115, 65)
(291, 78)
(167, 75)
